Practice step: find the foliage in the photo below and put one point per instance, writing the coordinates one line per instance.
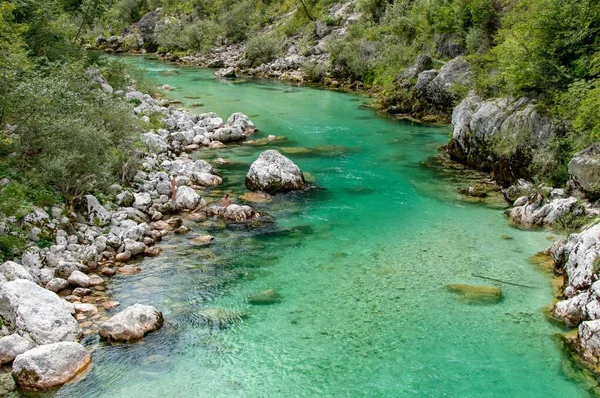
(262, 50)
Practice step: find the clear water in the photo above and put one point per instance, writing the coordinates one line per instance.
(361, 264)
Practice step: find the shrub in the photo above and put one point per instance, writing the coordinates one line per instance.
(262, 50)
(313, 71)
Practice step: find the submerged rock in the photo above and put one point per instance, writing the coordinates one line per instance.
(272, 172)
(50, 365)
(266, 297)
(218, 318)
(133, 323)
(36, 313)
(476, 294)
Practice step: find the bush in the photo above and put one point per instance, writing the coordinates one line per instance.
(313, 71)
(67, 127)
(262, 50)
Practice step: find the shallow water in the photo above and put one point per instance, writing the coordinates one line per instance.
(361, 263)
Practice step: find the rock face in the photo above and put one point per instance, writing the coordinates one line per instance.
(132, 323)
(50, 365)
(501, 135)
(11, 346)
(272, 172)
(437, 90)
(36, 313)
(584, 170)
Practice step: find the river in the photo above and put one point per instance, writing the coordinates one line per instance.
(361, 263)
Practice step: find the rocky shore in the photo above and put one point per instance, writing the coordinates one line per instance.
(52, 296)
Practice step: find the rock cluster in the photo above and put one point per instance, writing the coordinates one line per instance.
(45, 292)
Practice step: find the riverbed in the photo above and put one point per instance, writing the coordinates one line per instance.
(361, 262)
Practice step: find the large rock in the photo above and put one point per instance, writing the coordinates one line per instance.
(132, 323)
(272, 172)
(50, 365)
(13, 271)
(11, 346)
(438, 91)
(95, 213)
(584, 170)
(242, 121)
(37, 314)
(226, 73)
(228, 134)
(501, 135)
(233, 212)
(187, 198)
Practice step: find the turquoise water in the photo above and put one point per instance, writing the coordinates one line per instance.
(361, 263)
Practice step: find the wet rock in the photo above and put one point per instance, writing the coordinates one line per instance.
(187, 198)
(96, 280)
(476, 294)
(134, 247)
(272, 172)
(132, 323)
(153, 251)
(79, 279)
(232, 212)
(266, 297)
(108, 271)
(226, 73)
(124, 256)
(256, 197)
(50, 365)
(85, 308)
(182, 230)
(57, 284)
(36, 313)
(218, 318)
(66, 268)
(11, 346)
(81, 291)
(201, 240)
(129, 270)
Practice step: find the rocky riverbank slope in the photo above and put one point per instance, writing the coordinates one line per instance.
(52, 296)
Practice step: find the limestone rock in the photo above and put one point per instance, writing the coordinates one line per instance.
(132, 323)
(476, 294)
(272, 172)
(37, 314)
(12, 271)
(187, 198)
(11, 346)
(79, 279)
(584, 169)
(50, 365)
